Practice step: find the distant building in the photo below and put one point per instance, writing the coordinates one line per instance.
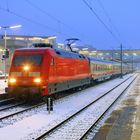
(20, 41)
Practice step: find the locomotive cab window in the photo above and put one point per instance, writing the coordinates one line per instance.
(33, 59)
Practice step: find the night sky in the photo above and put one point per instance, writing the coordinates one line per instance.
(73, 18)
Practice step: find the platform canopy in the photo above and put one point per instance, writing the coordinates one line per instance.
(18, 41)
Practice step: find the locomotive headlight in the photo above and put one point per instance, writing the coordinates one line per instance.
(12, 80)
(26, 68)
(37, 80)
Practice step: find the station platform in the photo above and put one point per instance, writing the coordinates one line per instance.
(124, 122)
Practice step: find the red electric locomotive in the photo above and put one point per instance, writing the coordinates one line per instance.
(44, 71)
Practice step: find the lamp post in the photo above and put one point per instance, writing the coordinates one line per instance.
(5, 42)
(121, 58)
(133, 54)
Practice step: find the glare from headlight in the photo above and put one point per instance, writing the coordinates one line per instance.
(37, 80)
(26, 67)
(12, 80)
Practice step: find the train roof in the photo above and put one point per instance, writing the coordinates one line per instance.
(70, 54)
(59, 52)
(101, 61)
(25, 49)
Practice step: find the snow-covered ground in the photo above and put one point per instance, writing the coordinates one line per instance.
(74, 129)
(39, 121)
(3, 84)
(121, 104)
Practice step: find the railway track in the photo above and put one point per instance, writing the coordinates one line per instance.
(78, 125)
(14, 112)
(4, 96)
(18, 115)
(11, 106)
(7, 101)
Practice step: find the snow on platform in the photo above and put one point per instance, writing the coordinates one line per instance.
(3, 84)
(124, 121)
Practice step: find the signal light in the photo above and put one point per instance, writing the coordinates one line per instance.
(6, 54)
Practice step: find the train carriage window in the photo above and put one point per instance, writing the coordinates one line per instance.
(100, 67)
(34, 59)
(92, 67)
(95, 67)
(103, 67)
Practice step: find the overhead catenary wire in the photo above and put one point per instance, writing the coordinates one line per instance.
(108, 17)
(102, 22)
(66, 35)
(54, 18)
(7, 4)
(42, 10)
(32, 21)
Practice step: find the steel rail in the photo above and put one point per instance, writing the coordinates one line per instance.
(3, 96)
(12, 106)
(19, 112)
(6, 101)
(103, 114)
(78, 112)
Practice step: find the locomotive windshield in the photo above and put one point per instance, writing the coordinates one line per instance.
(34, 59)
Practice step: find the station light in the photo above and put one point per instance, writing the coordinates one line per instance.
(100, 54)
(1, 50)
(12, 27)
(52, 37)
(85, 49)
(134, 54)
